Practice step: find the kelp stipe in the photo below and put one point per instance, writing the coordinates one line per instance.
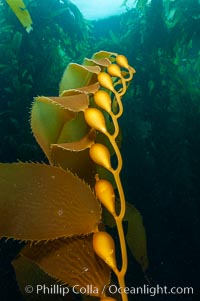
(103, 243)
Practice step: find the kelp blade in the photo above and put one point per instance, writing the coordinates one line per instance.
(29, 273)
(136, 234)
(71, 261)
(21, 12)
(74, 156)
(53, 122)
(47, 122)
(77, 76)
(42, 202)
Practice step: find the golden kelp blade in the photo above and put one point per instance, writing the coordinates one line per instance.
(77, 76)
(104, 62)
(72, 261)
(55, 122)
(76, 102)
(29, 273)
(21, 12)
(87, 89)
(42, 202)
(47, 122)
(74, 156)
(104, 54)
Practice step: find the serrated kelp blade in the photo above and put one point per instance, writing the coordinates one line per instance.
(75, 157)
(103, 62)
(78, 145)
(76, 102)
(42, 202)
(73, 130)
(77, 76)
(90, 89)
(72, 261)
(47, 122)
(29, 273)
(104, 54)
(78, 163)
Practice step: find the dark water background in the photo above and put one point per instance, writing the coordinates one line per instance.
(161, 121)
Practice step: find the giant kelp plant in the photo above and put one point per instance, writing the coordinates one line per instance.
(79, 134)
